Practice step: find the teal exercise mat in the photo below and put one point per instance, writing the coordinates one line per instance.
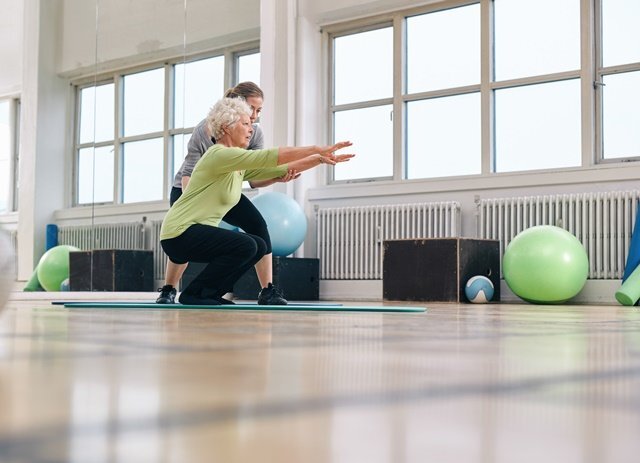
(290, 307)
(109, 303)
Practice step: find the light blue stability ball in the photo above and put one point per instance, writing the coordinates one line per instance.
(285, 219)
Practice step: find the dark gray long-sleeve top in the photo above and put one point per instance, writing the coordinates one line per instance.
(200, 141)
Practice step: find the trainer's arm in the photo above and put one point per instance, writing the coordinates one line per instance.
(290, 175)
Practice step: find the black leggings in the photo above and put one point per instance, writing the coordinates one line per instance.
(229, 254)
(243, 215)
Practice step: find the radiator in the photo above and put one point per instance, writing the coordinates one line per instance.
(349, 239)
(159, 257)
(129, 235)
(603, 222)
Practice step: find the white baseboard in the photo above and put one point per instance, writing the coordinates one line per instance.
(594, 291)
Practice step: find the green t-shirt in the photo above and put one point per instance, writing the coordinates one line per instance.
(216, 185)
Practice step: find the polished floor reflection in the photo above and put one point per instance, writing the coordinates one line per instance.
(459, 383)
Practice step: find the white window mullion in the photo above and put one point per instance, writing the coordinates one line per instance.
(118, 132)
(169, 98)
(399, 67)
(591, 148)
(486, 91)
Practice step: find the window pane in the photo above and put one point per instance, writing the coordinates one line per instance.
(95, 185)
(621, 115)
(198, 90)
(371, 131)
(443, 136)
(180, 143)
(620, 32)
(249, 68)
(534, 37)
(443, 49)
(5, 156)
(100, 97)
(538, 126)
(144, 102)
(142, 171)
(359, 74)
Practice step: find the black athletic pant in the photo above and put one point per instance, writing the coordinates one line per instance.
(243, 215)
(229, 254)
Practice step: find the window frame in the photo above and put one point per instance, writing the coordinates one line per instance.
(14, 153)
(116, 77)
(600, 73)
(235, 75)
(334, 108)
(588, 73)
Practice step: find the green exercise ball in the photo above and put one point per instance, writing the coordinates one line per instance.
(53, 267)
(545, 265)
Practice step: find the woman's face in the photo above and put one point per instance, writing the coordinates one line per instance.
(240, 132)
(256, 107)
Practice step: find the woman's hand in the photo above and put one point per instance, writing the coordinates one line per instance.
(333, 159)
(329, 150)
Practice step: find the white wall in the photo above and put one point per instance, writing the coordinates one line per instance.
(328, 11)
(11, 47)
(131, 33)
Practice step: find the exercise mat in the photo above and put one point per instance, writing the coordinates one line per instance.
(141, 301)
(239, 306)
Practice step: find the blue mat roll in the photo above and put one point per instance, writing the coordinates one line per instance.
(633, 256)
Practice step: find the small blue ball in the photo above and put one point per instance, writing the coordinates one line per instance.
(479, 289)
(64, 286)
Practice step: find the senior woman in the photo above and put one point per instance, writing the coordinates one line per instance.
(190, 231)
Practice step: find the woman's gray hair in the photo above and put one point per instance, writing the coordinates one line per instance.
(225, 113)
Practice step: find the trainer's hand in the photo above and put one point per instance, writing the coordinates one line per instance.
(291, 174)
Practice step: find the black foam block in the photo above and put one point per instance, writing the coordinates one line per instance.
(437, 269)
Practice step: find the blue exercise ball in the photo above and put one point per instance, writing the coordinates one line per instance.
(285, 219)
(227, 226)
(479, 289)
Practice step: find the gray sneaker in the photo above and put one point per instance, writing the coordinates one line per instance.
(271, 295)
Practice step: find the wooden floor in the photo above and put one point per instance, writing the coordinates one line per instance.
(459, 383)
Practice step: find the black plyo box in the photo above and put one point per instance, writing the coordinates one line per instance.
(437, 269)
(298, 278)
(111, 270)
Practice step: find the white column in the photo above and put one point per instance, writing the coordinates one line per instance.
(277, 70)
(43, 129)
(291, 77)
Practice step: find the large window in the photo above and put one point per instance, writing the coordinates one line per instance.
(197, 85)
(362, 110)
(486, 87)
(9, 109)
(133, 127)
(249, 67)
(618, 79)
(443, 81)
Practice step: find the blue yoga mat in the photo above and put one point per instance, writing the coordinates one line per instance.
(255, 307)
(328, 304)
